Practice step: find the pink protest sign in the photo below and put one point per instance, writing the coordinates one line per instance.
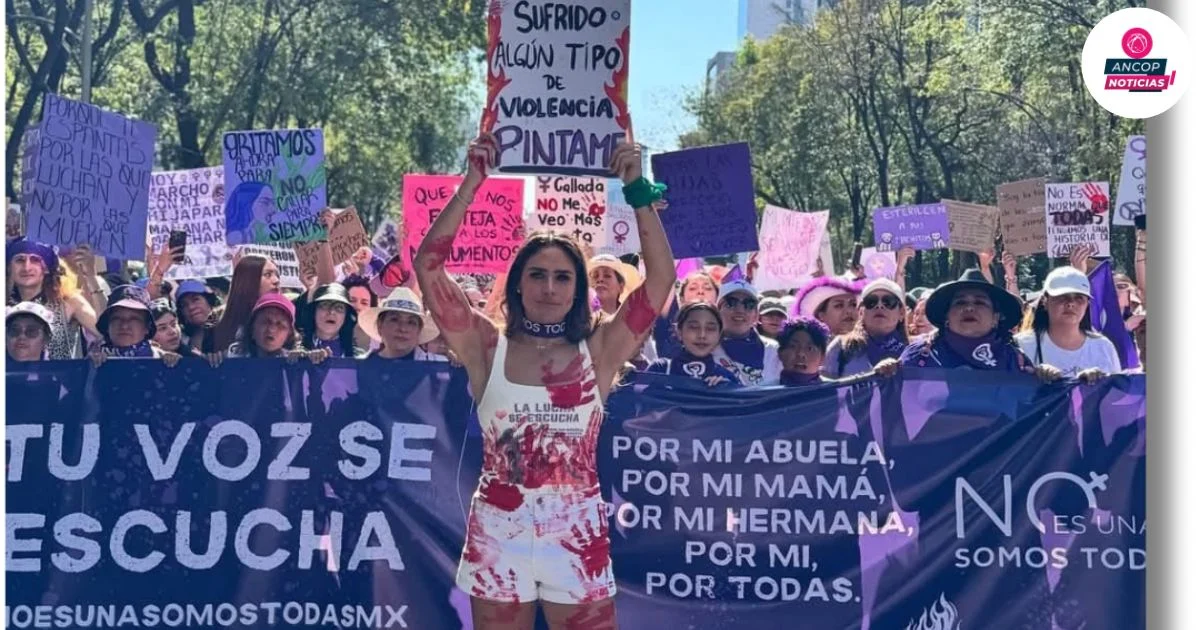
(490, 233)
(877, 264)
(790, 242)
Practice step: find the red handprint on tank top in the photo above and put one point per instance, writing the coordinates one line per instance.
(572, 386)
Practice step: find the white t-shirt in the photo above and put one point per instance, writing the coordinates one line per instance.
(1096, 352)
(749, 376)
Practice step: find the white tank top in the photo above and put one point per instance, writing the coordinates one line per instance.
(541, 436)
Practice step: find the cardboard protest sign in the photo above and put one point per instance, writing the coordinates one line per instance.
(347, 235)
(491, 232)
(1131, 190)
(620, 224)
(192, 201)
(88, 178)
(1023, 216)
(573, 206)
(877, 264)
(711, 200)
(285, 259)
(275, 186)
(556, 85)
(386, 240)
(1077, 214)
(972, 226)
(923, 226)
(790, 245)
(307, 255)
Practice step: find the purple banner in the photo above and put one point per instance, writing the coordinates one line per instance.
(266, 495)
(710, 195)
(923, 226)
(1106, 315)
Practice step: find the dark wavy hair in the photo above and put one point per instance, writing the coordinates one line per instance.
(358, 280)
(581, 323)
(817, 331)
(243, 294)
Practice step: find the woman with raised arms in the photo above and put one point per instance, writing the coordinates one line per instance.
(538, 529)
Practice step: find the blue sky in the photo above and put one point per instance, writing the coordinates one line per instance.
(671, 41)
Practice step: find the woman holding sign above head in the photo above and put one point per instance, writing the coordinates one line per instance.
(538, 528)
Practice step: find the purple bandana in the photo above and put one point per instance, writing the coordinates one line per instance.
(544, 331)
(798, 379)
(982, 353)
(881, 348)
(687, 364)
(141, 350)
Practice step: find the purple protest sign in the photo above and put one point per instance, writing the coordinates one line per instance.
(90, 179)
(923, 226)
(711, 200)
(274, 186)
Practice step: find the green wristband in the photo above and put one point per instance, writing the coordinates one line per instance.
(640, 193)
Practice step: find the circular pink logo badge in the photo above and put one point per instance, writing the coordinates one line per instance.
(1137, 43)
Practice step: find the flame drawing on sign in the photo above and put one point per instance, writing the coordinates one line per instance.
(942, 615)
(620, 77)
(496, 80)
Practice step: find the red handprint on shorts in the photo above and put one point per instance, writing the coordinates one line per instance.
(492, 585)
(1097, 198)
(482, 549)
(591, 545)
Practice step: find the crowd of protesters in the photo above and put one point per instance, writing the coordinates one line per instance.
(722, 331)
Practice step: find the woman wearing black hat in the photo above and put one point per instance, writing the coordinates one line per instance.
(974, 320)
(328, 322)
(128, 327)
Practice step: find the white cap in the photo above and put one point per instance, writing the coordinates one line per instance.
(737, 286)
(1064, 280)
(883, 284)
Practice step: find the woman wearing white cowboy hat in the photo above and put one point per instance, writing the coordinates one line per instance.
(612, 280)
(401, 326)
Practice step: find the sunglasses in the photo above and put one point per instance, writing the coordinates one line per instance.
(29, 332)
(889, 302)
(750, 304)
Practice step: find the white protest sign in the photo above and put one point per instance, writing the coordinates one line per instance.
(1077, 214)
(192, 201)
(1131, 190)
(557, 83)
(285, 259)
(573, 206)
(790, 244)
(620, 226)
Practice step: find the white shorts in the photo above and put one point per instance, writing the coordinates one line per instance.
(553, 547)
